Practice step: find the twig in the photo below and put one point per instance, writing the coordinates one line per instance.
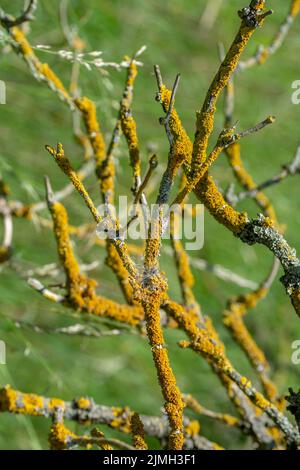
(73, 330)
(264, 52)
(48, 294)
(84, 410)
(27, 15)
(291, 169)
(210, 14)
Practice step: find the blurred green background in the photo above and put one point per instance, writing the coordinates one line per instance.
(119, 370)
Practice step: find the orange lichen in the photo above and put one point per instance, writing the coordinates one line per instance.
(195, 406)
(138, 433)
(151, 301)
(99, 434)
(24, 211)
(202, 343)
(205, 118)
(201, 340)
(184, 272)
(83, 403)
(208, 193)
(122, 419)
(81, 290)
(295, 8)
(193, 428)
(65, 165)
(185, 276)
(60, 437)
(130, 132)
(151, 292)
(182, 145)
(22, 42)
(233, 319)
(114, 262)
(233, 153)
(52, 78)
(206, 190)
(55, 403)
(23, 403)
(128, 124)
(43, 71)
(88, 110)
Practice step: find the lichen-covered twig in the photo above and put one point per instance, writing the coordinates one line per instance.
(263, 52)
(233, 318)
(64, 163)
(76, 329)
(129, 127)
(148, 303)
(138, 432)
(262, 231)
(85, 411)
(290, 169)
(252, 17)
(233, 153)
(259, 230)
(154, 288)
(62, 438)
(81, 289)
(204, 344)
(224, 418)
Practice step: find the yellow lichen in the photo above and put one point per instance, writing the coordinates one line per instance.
(55, 403)
(114, 262)
(83, 403)
(208, 193)
(122, 419)
(23, 403)
(138, 433)
(193, 428)
(81, 289)
(99, 434)
(60, 437)
(182, 145)
(233, 319)
(233, 153)
(128, 124)
(88, 110)
(205, 118)
(245, 382)
(43, 71)
(295, 8)
(20, 38)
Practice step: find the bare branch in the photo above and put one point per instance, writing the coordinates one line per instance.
(27, 15)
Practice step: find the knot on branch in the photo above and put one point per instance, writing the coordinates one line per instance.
(251, 16)
(227, 137)
(256, 230)
(153, 281)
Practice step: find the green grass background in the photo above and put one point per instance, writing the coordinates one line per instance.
(119, 370)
